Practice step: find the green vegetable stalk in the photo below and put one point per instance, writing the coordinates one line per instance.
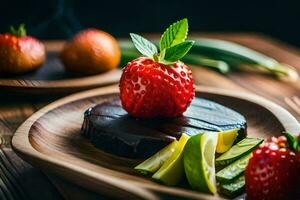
(218, 65)
(223, 56)
(222, 67)
(238, 56)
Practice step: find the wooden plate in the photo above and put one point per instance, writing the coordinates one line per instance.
(50, 139)
(51, 78)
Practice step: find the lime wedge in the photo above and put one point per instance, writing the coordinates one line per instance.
(171, 171)
(152, 164)
(238, 150)
(199, 162)
(226, 140)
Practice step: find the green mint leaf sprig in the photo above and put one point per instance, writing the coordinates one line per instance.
(177, 52)
(174, 35)
(172, 44)
(143, 45)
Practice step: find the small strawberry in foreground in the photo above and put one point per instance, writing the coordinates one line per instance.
(159, 85)
(20, 53)
(274, 170)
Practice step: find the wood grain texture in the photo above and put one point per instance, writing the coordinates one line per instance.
(18, 179)
(13, 111)
(51, 140)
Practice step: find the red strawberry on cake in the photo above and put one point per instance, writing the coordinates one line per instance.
(158, 84)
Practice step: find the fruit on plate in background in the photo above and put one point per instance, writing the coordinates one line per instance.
(91, 51)
(19, 52)
(273, 172)
(158, 84)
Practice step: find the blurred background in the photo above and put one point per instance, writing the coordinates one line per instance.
(60, 19)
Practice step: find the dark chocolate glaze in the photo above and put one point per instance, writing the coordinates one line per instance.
(111, 129)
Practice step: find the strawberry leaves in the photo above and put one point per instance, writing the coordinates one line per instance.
(172, 44)
(19, 32)
(143, 45)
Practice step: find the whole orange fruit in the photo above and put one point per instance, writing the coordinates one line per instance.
(91, 51)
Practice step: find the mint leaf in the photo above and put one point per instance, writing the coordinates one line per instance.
(143, 45)
(174, 35)
(178, 51)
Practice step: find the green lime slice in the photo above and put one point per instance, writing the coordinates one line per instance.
(226, 140)
(234, 170)
(239, 150)
(199, 162)
(171, 171)
(152, 164)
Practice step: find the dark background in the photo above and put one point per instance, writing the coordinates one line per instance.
(59, 19)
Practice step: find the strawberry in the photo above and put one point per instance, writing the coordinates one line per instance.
(20, 53)
(158, 85)
(151, 89)
(273, 170)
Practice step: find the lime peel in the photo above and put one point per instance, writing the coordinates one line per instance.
(199, 162)
(152, 164)
(171, 171)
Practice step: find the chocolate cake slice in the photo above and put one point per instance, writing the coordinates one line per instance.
(111, 129)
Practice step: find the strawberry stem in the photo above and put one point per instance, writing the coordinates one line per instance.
(156, 57)
(19, 32)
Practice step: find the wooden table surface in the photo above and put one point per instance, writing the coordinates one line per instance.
(19, 180)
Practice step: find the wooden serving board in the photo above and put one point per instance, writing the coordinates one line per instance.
(51, 140)
(51, 78)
